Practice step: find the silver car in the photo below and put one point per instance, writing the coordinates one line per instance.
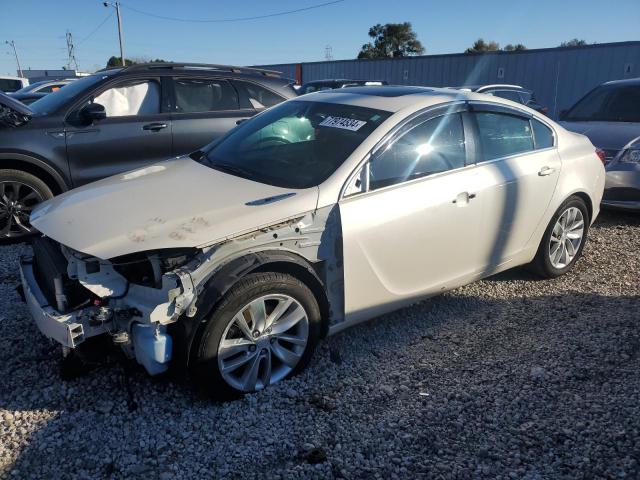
(317, 214)
(610, 116)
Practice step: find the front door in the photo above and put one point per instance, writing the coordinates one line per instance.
(135, 133)
(414, 231)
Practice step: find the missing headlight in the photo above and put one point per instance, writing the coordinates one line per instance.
(147, 268)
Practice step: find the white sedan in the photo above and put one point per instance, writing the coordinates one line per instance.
(319, 213)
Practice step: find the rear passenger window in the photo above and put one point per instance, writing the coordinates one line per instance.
(542, 135)
(259, 96)
(502, 135)
(434, 146)
(204, 95)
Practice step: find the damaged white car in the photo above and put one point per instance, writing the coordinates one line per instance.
(319, 213)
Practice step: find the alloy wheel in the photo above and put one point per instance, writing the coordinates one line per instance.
(17, 200)
(263, 342)
(566, 237)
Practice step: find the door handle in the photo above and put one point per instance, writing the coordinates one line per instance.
(544, 171)
(464, 197)
(154, 126)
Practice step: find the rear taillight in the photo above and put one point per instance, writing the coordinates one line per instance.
(601, 155)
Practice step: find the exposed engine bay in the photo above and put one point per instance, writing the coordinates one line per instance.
(135, 297)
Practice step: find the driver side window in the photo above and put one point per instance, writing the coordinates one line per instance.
(140, 97)
(433, 146)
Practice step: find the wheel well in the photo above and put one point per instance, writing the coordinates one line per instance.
(39, 172)
(587, 201)
(306, 277)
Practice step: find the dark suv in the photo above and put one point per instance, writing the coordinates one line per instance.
(118, 120)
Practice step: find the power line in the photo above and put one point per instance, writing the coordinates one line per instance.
(96, 29)
(226, 20)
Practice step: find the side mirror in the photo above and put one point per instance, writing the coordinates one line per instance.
(93, 112)
(242, 120)
(563, 114)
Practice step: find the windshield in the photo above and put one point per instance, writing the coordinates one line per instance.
(52, 102)
(296, 144)
(608, 103)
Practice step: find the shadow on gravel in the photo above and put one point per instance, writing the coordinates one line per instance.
(460, 385)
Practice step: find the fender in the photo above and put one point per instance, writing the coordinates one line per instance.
(186, 330)
(52, 171)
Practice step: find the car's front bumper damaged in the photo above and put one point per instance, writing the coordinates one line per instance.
(72, 299)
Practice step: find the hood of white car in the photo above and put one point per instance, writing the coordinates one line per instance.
(172, 204)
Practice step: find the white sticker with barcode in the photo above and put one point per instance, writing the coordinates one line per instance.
(341, 122)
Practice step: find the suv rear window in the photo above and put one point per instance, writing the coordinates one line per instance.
(259, 96)
(608, 103)
(204, 95)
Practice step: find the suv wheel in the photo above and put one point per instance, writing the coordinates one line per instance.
(563, 239)
(19, 193)
(264, 330)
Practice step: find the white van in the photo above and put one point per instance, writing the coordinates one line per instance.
(11, 84)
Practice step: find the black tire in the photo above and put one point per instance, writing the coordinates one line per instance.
(205, 368)
(542, 263)
(16, 184)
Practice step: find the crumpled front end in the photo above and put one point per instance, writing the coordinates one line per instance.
(73, 297)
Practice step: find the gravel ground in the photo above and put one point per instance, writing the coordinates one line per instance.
(511, 377)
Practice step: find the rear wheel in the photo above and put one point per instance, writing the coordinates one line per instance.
(264, 331)
(563, 240)
(20, 192)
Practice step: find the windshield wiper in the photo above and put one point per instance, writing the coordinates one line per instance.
(233, 169)
(197, 155)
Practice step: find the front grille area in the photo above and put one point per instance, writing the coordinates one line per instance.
(622, 194)
(49, 266)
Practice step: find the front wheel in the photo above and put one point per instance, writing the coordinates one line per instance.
(563, 240)
(20, 192)
(264, 330)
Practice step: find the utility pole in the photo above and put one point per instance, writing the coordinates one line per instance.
(15, 52)
(116, 5)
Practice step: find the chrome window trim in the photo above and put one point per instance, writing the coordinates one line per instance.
(408, 182)
(519, 112)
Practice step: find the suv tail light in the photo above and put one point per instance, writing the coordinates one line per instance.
(601, 155)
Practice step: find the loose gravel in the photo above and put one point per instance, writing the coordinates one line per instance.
(511, 377)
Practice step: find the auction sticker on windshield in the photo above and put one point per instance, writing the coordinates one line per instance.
(341, 122)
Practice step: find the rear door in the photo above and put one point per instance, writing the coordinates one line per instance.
(203, 109)
(136, 132)
(517, 169)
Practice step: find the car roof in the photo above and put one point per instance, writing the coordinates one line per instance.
(396, 98)
(627, 81)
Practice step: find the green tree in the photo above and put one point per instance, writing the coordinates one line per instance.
(392, 40)
(480, 46)
(575, 42)
(116, 62)
(518, 47)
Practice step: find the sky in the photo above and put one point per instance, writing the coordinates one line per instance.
(38, 28)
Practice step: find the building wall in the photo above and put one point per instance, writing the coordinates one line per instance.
(558, 76)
